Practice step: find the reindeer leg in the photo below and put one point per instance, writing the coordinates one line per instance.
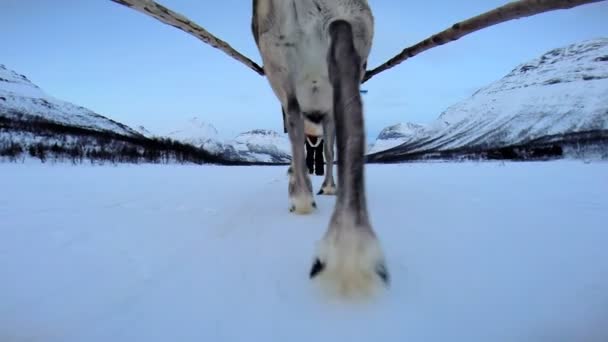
(300, 187)
(349, 259)
(329, 135)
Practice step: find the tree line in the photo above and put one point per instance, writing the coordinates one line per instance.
(24, 136)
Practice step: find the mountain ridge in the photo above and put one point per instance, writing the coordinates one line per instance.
(563, 92)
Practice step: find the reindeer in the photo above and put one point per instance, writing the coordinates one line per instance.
(315, 55)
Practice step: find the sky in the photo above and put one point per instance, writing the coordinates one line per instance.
(136, 70)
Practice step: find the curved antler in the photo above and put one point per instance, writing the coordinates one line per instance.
(510, 11)
(167, 16)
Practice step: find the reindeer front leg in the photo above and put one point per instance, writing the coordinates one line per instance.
(300, 187)
(349, 258)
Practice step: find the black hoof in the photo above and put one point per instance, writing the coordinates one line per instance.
(320, 192)
(317, 268)
(383, 274)
(292, 208)
(314, 205)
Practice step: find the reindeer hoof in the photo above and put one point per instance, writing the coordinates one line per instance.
(317, 268)
(350, 264)
(329, 190)
(303, 204)
(301, 198)
(382, 272)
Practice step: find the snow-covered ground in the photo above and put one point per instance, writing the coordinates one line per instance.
(477, 252)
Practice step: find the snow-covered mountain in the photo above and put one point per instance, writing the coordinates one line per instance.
(557, 100)
(263, 145)
(144, 131)
(195, 131)
(36, 124)
(256, 146)
(396, 135)
(23, 100)
(31, 120)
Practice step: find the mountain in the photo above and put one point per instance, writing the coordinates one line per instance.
(552, 106)
(36, 124)
(255, 146)
(20, 99)
(396, 135)
(196, 132)
(263, 145)
(144, 131)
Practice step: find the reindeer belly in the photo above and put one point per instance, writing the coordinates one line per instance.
(295, 44)
(311, 82)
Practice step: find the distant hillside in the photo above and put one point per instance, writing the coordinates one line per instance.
(255, 146)
(34, 124)
(553, 106)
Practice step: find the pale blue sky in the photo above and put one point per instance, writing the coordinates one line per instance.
(134, 69)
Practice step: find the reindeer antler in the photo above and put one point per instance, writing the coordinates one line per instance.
(510, 11)
(513, 10)
(167, 16)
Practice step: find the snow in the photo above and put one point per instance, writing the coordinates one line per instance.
(195, 132)
(476, 251)
(262, 140)
(14, 83)
(144, 131)
(258, 145)
(396, 135)
(563, 91)
(19, 96)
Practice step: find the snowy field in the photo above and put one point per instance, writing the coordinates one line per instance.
(477, 252)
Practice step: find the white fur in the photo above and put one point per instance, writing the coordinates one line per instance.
(350, 259)
(313, 129)
(302, 203)
(329, 190)
(302, 67)
(294, 41)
